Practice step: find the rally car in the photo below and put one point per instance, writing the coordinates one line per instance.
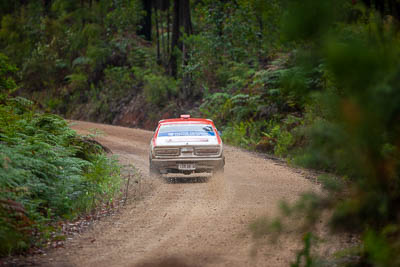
(186, 145)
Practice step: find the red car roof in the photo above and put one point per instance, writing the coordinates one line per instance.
(182, 120)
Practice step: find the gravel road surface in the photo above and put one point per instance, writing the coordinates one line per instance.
(200, 222)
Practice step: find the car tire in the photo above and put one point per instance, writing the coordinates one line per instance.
(153, 171)
(219, 171)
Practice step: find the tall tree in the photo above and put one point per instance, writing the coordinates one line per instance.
(168, 29)
(181, 18)
(173, 67)
(385, 7)
(47, 5)
(156, 17)
(165, 18)
(145, 29)
(188, 30)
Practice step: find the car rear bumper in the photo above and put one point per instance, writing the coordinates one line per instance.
(201, 165)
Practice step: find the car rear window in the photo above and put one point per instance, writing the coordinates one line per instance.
(186, 130)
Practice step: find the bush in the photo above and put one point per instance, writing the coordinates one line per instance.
(357, 135)
(246, 134)
(47, 173)
(7, 83)
(118, 80)
(159, 89)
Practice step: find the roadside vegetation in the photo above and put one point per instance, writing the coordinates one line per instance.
(314, 82)
(48, 173)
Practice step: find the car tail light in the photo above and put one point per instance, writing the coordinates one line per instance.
(166, 151)
(206, 151)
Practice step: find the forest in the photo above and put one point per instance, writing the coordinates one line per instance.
(313, 82)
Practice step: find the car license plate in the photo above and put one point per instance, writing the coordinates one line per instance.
(187, 149)
(186, 166)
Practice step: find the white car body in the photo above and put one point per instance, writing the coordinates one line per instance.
(186, 145)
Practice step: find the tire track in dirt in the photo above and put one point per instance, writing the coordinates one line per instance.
(187, 223)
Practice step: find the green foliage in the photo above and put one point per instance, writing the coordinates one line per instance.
(7, 83)
(62, 50)
(47, 173)
(301, 17)
(118, 79)
(158, 89)
(245, 134)
(77, 82)
(305, 253)
(232, 34)
(284, 140)
(357, 130)
(125, 16)
(259, 109)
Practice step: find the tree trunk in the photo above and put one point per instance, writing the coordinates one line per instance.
(188, 29)
(165, 6)
(186, 17)
(47, 5)
(83, 13)
(146, 21)
(168, 32)
(164, 52)
(157, 35)
(173, 67)
(181, 17)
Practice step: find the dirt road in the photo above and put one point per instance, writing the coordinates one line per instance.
(187, 223)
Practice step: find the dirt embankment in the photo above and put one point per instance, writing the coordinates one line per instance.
(187, 223)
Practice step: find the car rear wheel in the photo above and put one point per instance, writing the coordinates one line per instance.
(219, 171)
(153, 171)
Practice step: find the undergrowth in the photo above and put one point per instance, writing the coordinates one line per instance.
(47, 173)
(257, 109)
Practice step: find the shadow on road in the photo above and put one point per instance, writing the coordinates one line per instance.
(167, 262)
(186, 180)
